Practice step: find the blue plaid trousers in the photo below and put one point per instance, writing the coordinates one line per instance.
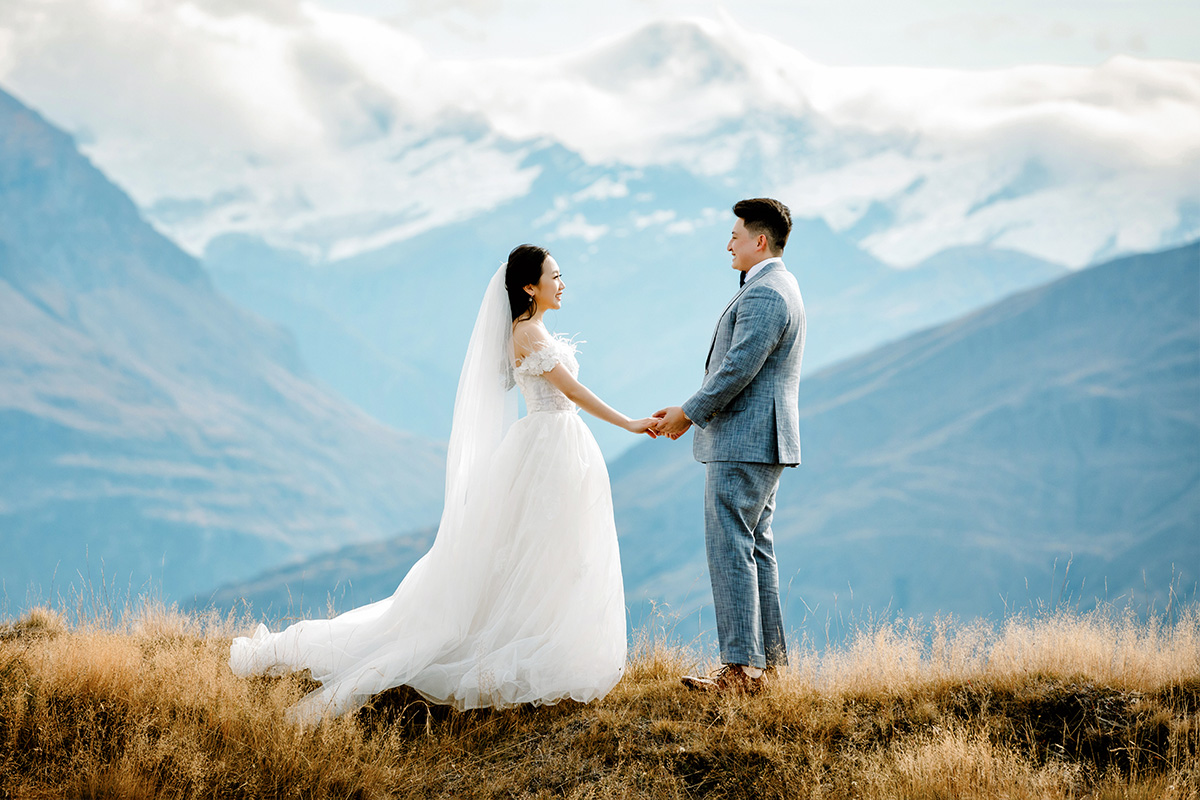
(739, 502)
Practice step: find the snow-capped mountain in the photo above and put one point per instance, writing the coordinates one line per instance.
(388, 328)
(334, 135)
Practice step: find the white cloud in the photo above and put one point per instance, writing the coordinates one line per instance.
(655, 218)
(930, 33)
(335, 132)
(577, 227)
(603, 189)
(7, 51)
(320, 116)
(1126, 123)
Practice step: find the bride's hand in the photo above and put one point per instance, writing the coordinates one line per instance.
(647, 425)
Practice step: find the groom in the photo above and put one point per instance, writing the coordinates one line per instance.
(747, 417)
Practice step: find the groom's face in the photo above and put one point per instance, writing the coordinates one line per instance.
(746, 248)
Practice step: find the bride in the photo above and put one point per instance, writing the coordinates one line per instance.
(519, 600)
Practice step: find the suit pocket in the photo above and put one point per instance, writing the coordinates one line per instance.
(738, 403)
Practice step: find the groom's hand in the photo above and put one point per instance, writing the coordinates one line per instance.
(672, 422)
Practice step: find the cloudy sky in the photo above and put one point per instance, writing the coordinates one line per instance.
(304, 121)
(933, 33)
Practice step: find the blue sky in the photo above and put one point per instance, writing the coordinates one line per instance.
(969, 34)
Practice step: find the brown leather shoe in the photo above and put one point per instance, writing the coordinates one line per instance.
(729, 678)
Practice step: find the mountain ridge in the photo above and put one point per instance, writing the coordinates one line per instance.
(643, 286)
(1074, 472)
(149, 425)
(918, 441)
(1044, 159)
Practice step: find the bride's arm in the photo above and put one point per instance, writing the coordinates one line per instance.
(530, 337)
(585, 398)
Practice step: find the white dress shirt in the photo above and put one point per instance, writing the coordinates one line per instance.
(757, 268)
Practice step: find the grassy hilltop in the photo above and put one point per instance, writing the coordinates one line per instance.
(1061, 705)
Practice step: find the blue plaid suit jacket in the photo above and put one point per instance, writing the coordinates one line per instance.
(748, 407)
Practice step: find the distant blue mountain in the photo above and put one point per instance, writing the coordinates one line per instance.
(1044, 449)
(149, 429)
(963, 468)
(388, 328)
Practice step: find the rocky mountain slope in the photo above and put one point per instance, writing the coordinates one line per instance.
(149, 428)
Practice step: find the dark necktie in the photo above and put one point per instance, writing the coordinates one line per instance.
(741, 279)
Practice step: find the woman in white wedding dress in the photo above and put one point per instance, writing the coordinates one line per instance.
(519, 600)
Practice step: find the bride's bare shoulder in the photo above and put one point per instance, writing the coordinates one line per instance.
(528, 336)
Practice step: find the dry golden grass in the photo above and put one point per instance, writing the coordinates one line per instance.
(1062, 705)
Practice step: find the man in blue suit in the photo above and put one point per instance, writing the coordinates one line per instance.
(746, 414)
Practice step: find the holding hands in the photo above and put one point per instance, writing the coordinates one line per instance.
(672, 422)
(646, 425)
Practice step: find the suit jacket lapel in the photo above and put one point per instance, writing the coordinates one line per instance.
(740, 291)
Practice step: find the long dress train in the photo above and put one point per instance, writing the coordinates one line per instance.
(519, 600)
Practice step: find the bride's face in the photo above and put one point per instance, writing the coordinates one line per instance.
(548, 292)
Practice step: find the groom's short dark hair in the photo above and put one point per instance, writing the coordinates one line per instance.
(766, 215)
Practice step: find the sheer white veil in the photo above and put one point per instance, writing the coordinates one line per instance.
(448, 630)
(484, 406)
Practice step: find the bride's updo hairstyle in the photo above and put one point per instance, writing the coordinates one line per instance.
(525, 264)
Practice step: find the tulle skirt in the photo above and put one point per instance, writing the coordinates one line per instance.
(519, 600)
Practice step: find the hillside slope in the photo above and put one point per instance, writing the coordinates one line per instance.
(958, 470)
(962, 468)
(148, 427)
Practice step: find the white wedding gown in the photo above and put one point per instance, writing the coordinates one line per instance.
(519, 600)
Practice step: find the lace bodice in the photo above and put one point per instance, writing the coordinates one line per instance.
(540, 394)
